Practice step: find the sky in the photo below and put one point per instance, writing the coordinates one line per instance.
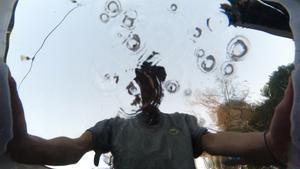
(72, 84)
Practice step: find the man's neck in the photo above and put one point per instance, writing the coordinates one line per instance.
(150, 116)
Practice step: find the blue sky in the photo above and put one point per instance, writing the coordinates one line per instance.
(66, 92)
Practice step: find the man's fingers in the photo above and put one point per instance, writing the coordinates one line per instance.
(285, 106)
(12, 84)
(288, 95)
(15, 100)
(280, 125)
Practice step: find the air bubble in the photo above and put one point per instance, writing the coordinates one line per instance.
(129, 19)
(198, 32)
(113, 8)
(107, 82)
(227, 69)
(218, 22)
(119, 35)
(104, 17)
(133, 42)
(206, 64)
(188, 92)
(199, 52)
(237, 48)
(133, 89)
(173, 7)
(107, 76)
(172, 86)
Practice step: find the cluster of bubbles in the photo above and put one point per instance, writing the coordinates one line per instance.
(205, 63)
(236, 51)
(130, 39)
(107, 81)
(173, 86)
(112, 9)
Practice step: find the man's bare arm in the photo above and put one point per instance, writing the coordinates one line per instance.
(253, 147)
(250, 147)
(58, 151)
(26, 148)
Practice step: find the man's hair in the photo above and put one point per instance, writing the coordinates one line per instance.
(157, 74)
(154, 71)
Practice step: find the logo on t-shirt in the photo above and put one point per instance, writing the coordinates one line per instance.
(173, 131)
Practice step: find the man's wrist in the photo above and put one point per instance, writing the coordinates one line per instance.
(278, 152)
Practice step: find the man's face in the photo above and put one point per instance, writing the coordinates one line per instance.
(149, 91)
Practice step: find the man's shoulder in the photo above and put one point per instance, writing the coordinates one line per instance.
(178, 114)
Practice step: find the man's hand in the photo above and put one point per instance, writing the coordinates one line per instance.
(19, 124)
(26, 148)
(278, 135)
(251, 147)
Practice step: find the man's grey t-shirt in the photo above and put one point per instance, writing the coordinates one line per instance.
(171, 144)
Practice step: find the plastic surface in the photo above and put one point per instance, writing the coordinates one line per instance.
(85, 70)
(6, 12)
(5, 110)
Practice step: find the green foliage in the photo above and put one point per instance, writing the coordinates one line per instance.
(238, 115)
(274, 92)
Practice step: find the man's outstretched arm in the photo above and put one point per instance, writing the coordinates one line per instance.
(58, 151)
(253, 147)
(26, 148)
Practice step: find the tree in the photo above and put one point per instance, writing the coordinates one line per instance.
(234, 115)
(237, 115)
(274, 92)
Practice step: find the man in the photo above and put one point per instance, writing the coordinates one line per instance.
(152, 139)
